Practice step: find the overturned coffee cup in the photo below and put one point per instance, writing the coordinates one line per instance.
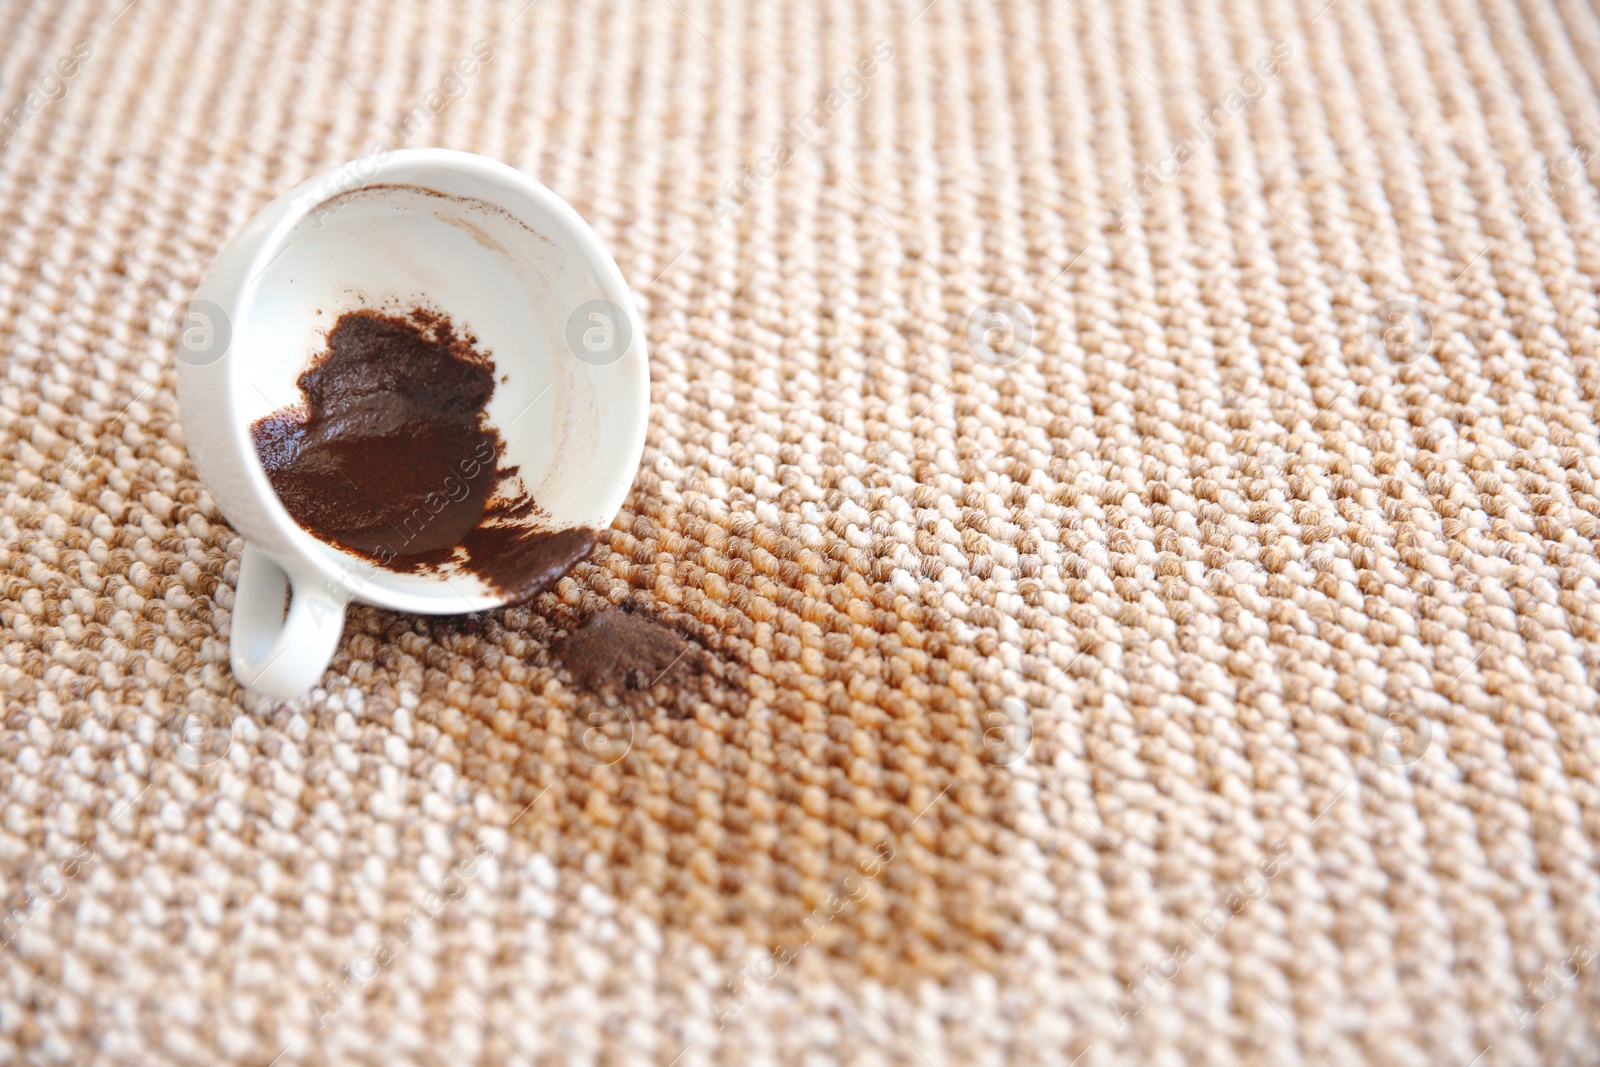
(418, 382)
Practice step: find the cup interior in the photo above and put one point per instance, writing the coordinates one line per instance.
(507, 262)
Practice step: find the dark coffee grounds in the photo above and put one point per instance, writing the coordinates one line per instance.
(392, 457)
(620, 650)
(393, 416)
(522, 561)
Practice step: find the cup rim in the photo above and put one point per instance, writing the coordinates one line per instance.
(361, 579)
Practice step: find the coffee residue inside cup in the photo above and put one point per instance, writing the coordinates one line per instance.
(392, 457)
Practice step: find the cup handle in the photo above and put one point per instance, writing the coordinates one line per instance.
(275, 654)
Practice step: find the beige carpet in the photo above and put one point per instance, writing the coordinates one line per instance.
(1206, 675)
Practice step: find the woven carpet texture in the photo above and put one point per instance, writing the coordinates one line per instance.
(1122, 476)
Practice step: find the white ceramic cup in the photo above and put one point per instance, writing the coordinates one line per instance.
(509, 262)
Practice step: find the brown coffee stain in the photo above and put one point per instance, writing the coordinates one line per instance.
(752, 788)
(622, 650)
